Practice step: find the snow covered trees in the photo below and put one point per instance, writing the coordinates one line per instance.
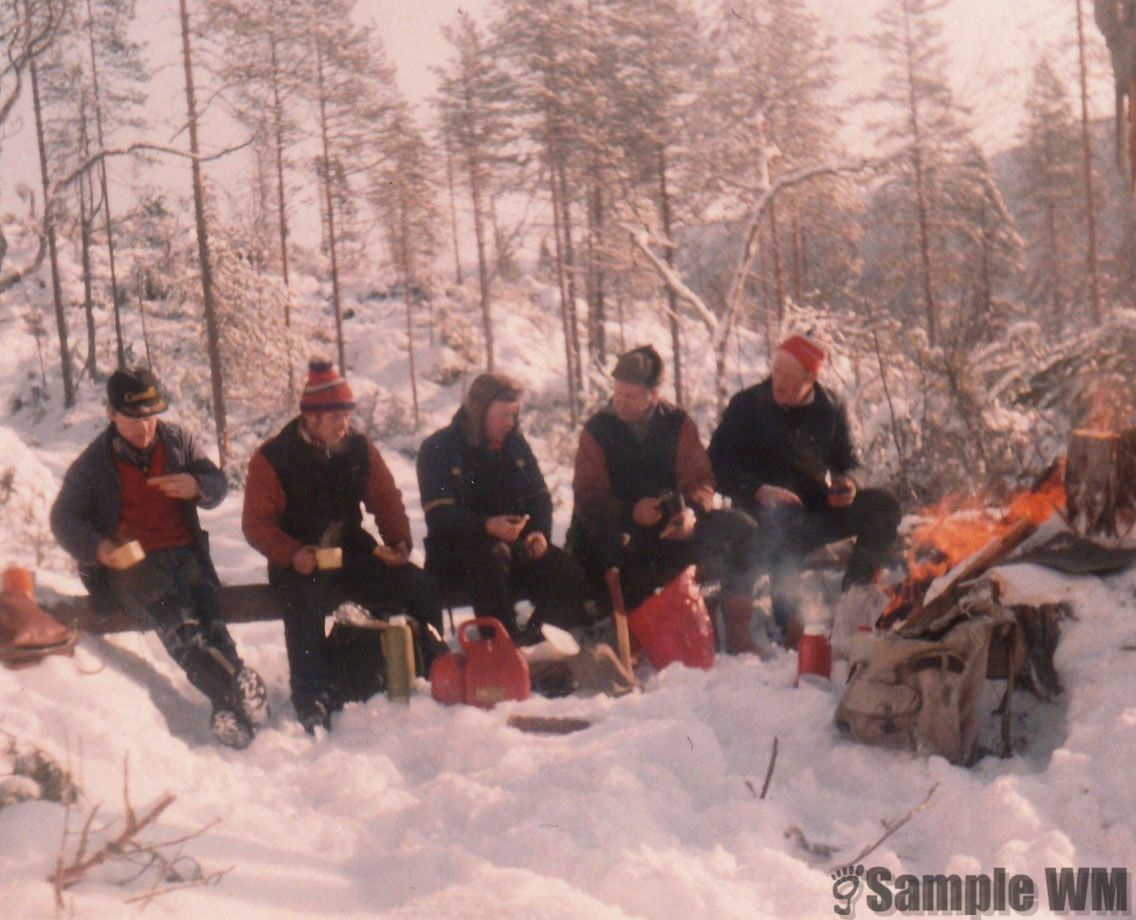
(472, 103)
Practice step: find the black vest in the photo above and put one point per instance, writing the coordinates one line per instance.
(639, 469)
(321, 489)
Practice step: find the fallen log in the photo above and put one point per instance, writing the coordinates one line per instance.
(258, 603)
(239, 603)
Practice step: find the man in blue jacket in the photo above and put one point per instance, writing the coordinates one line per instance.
(143, 480)
(489, 514)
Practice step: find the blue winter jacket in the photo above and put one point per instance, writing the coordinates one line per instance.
(88, 506)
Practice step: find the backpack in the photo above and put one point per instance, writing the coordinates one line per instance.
(921, 691)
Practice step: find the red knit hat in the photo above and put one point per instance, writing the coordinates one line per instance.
(807, 352)
(325, 390)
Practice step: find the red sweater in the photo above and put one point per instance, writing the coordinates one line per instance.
(152, 518)
(264, 502)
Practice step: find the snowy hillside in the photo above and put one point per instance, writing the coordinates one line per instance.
(425, 811)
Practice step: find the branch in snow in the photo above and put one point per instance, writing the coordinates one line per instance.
(891, 829)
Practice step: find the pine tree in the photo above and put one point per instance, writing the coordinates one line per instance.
(404, 194)
(117, 76)
(353, 99)
(28, 30)
(51, 208)
(654, 79)
(212, 330)
(924, 134)
(472, 103)
(546, 49)
(1054, 207)
(265, 64)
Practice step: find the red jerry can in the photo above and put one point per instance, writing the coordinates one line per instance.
(485, 672)
(674, 625)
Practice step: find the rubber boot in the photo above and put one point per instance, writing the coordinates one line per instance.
(737, 611)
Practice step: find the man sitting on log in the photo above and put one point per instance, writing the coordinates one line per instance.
(644, 493)
(302, 511)
(142, 480)
(783, 453)
(489, 515)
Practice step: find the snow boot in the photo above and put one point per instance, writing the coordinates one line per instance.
(737, 611)
(315, 714)
(252, 696)
(231, 728)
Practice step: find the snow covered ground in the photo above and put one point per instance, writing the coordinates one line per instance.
(425, 811)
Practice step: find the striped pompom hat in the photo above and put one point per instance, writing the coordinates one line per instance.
(325, 390)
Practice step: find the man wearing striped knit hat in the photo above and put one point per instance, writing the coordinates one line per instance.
(306, 491)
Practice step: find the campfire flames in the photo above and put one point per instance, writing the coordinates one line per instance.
(955, 529)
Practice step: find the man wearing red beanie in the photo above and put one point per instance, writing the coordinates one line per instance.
(783, 453)
(306, 489)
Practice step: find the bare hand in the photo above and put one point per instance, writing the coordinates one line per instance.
(842, 492)
(104, 553)
(646, 512)
(680, 527)
(393, 556)
(176, 485)
(536, 545)
(773, 496)
(304, 560)
(506, 527)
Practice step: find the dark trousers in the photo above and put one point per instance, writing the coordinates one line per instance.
(789, 533)
(724, 546)
(308, 599)
(494, 575)
(182, 599)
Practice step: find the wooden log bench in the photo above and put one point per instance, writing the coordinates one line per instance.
(257, 603)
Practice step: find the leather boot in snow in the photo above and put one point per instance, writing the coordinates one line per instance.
(737, 611)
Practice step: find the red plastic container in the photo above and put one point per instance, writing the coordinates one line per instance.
(814, 653)
(485, 672)
(674, 625)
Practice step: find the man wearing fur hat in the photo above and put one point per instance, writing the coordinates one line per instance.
(306, 490)
(644, 493)
(783, 453)
(143, 480)
(489, 514)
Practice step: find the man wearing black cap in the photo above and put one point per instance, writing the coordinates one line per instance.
(644, 494)
(489, 514)
(141, 481)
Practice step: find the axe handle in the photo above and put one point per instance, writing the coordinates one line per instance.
(619, 617)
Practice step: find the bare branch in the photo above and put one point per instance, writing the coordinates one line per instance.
(891, 829)
(769, 772)
(99, 155)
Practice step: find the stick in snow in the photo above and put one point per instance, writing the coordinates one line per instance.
(891, 829)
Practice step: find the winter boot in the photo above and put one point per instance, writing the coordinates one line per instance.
(252, 696)
(315, 714)
(231, 728)
(737, 610)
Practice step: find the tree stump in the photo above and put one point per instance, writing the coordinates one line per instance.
(1100, 482)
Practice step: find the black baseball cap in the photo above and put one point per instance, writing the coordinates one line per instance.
(135, 391)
